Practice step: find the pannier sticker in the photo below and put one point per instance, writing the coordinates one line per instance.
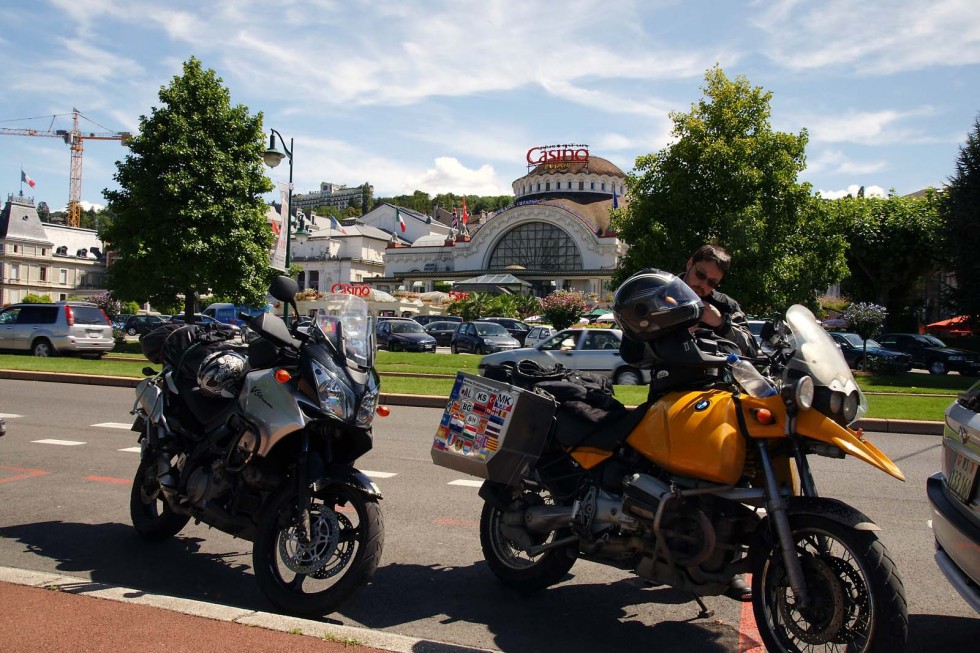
(472, 420)
(482, 397)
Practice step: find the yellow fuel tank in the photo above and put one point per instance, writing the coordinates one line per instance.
(693, 434)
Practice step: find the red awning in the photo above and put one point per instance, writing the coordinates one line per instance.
(959, 325)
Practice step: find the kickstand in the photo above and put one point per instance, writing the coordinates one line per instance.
(705, 612)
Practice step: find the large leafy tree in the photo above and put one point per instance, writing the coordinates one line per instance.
(893, 244)
(729, 179)
(188, 216)
(961, 206)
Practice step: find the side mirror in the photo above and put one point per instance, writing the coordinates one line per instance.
(284, 289)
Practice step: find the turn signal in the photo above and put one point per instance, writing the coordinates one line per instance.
(383, 411)
(763, 416)
(282, 376)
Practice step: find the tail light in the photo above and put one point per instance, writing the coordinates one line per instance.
(107, 320)
(69, 315)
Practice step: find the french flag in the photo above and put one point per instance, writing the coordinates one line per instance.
(26, 179)
(335, 225)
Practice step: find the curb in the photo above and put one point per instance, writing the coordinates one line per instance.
(915, 427)
(294, 625)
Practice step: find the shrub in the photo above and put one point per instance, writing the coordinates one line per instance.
(562, 308)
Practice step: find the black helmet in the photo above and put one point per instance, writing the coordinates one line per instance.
(653, 303)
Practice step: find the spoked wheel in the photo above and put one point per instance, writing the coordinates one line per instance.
(315, 572)
(857, 600)
(511, 564)
(152, 517)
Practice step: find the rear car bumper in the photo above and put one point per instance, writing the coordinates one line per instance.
(957, 542)
(75, 344)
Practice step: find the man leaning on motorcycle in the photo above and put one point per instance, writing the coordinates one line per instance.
(723, 316)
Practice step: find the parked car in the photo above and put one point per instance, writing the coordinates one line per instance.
(228, 313)
(931, 353)
(953, 497)
(137, 325)
(538, 334)
(119, 322)
(587, 350)
(442, 331)
(852, 346)
(480, 337)
(517, 329)
(425, 320)
(404, 334)
(200, 318)
(56, 328)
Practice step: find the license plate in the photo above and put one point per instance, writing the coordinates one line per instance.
(961, 478)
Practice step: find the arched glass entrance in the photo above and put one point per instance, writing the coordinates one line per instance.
(536, 246)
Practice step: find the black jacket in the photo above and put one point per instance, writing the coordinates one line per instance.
(734, 326)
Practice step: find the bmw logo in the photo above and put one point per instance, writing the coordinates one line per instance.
(701, 405)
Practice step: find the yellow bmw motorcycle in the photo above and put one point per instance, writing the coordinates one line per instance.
(698, 485)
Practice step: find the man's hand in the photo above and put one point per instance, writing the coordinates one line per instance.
(711, 316)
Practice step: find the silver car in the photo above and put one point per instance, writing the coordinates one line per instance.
(538, 334)
(57, 328)
(587, 350)
(954, 498)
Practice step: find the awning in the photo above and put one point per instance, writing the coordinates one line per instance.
(959, 325)
(499, 283)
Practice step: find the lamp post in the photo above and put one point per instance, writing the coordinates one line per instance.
(272, 157)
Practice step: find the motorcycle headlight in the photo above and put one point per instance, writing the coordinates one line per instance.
(803, 392)
(850, 407)
(368, 405)
(334, 396)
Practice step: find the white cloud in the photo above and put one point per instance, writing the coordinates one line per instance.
(832, 162)
(869, 37)
(852, 190)
(450, 176)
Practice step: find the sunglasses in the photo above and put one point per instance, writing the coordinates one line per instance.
(712, 283)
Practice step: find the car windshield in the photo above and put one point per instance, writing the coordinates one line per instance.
(490, 329)
(406, 327)
(562, 340)
(855, 340)
(932, 341)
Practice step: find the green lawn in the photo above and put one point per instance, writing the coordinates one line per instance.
(881, 405)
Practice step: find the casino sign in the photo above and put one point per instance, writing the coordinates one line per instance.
(558, 156)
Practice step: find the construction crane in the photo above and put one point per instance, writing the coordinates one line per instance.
(75, 139)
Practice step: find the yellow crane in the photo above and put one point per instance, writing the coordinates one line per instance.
(75, 139)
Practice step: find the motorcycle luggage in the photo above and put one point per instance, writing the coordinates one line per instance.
(492, 430)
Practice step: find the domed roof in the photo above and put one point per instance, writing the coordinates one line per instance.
(597, 166)
(430, 240)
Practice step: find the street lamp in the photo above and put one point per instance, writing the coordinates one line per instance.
(272, 158)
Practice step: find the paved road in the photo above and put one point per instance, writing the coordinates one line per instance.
(65, 511)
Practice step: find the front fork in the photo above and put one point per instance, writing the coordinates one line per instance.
(776, 508)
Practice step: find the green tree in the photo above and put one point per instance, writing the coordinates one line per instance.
(865, 319)
(32, 298)
(189, 214)
(961, 208)
(893, 244)
(730, 179)
(107, 303)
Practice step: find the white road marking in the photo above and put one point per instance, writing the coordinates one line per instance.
(9, 415)
(66, 443)
(114, 425)
(379, 474)
(929, 523)
(466, 483)
(131, 449)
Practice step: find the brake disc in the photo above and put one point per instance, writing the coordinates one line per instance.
(314, 554)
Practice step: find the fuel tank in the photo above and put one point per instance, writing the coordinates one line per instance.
(693, 434)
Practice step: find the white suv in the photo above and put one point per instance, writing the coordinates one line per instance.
(57, 328)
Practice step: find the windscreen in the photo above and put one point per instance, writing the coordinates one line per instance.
(345, 323)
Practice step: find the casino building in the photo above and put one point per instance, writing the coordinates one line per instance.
(556, 235)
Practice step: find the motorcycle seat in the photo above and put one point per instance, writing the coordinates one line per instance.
(581, 425)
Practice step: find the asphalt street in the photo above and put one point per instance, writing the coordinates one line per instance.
(68, 458)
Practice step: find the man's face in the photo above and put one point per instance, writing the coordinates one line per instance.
(703, 276)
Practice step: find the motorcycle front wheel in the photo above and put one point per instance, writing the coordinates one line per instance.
(857, 600)
(511, 564)
(152, 517)
(315, 574)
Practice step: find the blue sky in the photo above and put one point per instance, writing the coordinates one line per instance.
(448, 96)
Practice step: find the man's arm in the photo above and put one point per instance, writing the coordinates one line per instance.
(728, 321)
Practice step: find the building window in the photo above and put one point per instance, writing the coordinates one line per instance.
(591, 185)
(539, 185)
(301, 279)
(581, 185)
(16, 248)
(1, 248)
(44, 251)
(63, 277)
(536, 246)
(315, 280)
(44, 274)
(14, 270)
(603, 186)
(547, 185)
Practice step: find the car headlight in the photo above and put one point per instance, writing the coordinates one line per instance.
(487, 341)
(955, 358)
(335, 397)
(368, 405)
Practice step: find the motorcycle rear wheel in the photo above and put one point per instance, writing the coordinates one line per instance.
(151, 515)
(512, 565)
(317, 577)
(857, 600)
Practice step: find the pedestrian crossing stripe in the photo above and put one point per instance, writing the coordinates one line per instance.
(113, 425)
(131, 449)
(379, 474)
(9, 415)
(466, 483)
(65, 443)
